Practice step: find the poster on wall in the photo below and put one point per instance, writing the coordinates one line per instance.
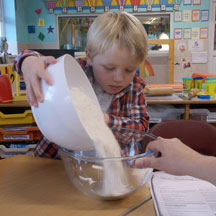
(196, 45)
(149, 4)
(176, 4)
(204, 33)
(195, 15)
(178, 33)
(187, 33)
(186, 15)
(204, 15)
(187, 2)
(196, 2)
(178, 16)
(195, 33)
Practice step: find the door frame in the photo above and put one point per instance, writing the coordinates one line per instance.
(212, 52)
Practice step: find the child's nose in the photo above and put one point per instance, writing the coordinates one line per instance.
(118, 76)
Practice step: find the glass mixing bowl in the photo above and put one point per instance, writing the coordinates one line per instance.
(105, 178)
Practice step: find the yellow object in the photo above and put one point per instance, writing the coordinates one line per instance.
(187, 83)
(21, 118)
(201, 93)
(198, 83)
(210, 87)
(7, 69)
(18, 96)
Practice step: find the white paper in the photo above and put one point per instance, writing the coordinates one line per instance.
(199, 57)
(182, 195)
(196, 45)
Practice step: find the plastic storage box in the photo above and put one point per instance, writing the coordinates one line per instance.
(13, 150)
(13, 119)
(199, 114)
(27, 134)
(163, 112)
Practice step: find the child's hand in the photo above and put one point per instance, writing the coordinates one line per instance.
(34, 69)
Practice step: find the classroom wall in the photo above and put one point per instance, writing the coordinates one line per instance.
(30, 25)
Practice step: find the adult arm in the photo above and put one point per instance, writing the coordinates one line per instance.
(178, 159)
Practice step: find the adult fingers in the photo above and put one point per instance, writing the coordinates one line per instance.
(155, 145)
(148, 162)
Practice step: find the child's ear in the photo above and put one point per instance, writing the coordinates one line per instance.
(88, 57)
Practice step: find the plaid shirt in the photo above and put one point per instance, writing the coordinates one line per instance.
(127, 111)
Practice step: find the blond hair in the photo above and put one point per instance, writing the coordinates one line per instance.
(120, 28)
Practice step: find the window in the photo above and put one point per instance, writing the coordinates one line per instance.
(2, 32)
(72, 29)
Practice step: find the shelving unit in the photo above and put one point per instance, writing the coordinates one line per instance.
(18, 131)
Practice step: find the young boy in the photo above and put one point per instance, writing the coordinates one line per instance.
(116, 45)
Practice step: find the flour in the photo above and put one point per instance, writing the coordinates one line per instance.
(92, 118)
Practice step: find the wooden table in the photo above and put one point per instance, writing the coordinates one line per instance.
(39, 186)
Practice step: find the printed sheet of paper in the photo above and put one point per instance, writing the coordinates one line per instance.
(182, 195)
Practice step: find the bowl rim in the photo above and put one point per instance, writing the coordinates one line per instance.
(76, 155)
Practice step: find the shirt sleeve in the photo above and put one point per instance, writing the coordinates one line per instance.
(131, 123)
(47, 149)
(19, 59)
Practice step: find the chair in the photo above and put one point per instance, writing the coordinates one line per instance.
(199, 135)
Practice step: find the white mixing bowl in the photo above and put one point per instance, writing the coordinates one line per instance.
(56, 117)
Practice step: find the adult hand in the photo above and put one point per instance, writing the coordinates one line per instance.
(176, 158)
(34, 69)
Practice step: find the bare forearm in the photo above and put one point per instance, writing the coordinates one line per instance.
(205, 169)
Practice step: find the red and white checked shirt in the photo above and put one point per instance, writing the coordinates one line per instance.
(127, 110)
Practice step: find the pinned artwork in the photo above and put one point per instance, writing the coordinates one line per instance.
(186, 15)
(186, 63)
(187, 2)
(204, 33)
(41, 36)
(146, 69)
(176, 4)
(182, 47)
(92, 4)
(196, 2)
(187, 33)
(135, 4)
(79, 4)
(163, 4)
(64, 5)
(195, 33)
(178, 16)
(195, 15)
(50, 4)
(149, 4)
(41, 22)
(178, 33)
(107, 4)
(204, 15)
(121, 4)
(38, 11)
(50, 29)
(31, 29)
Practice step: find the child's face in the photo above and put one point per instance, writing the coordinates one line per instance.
(114, 69)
